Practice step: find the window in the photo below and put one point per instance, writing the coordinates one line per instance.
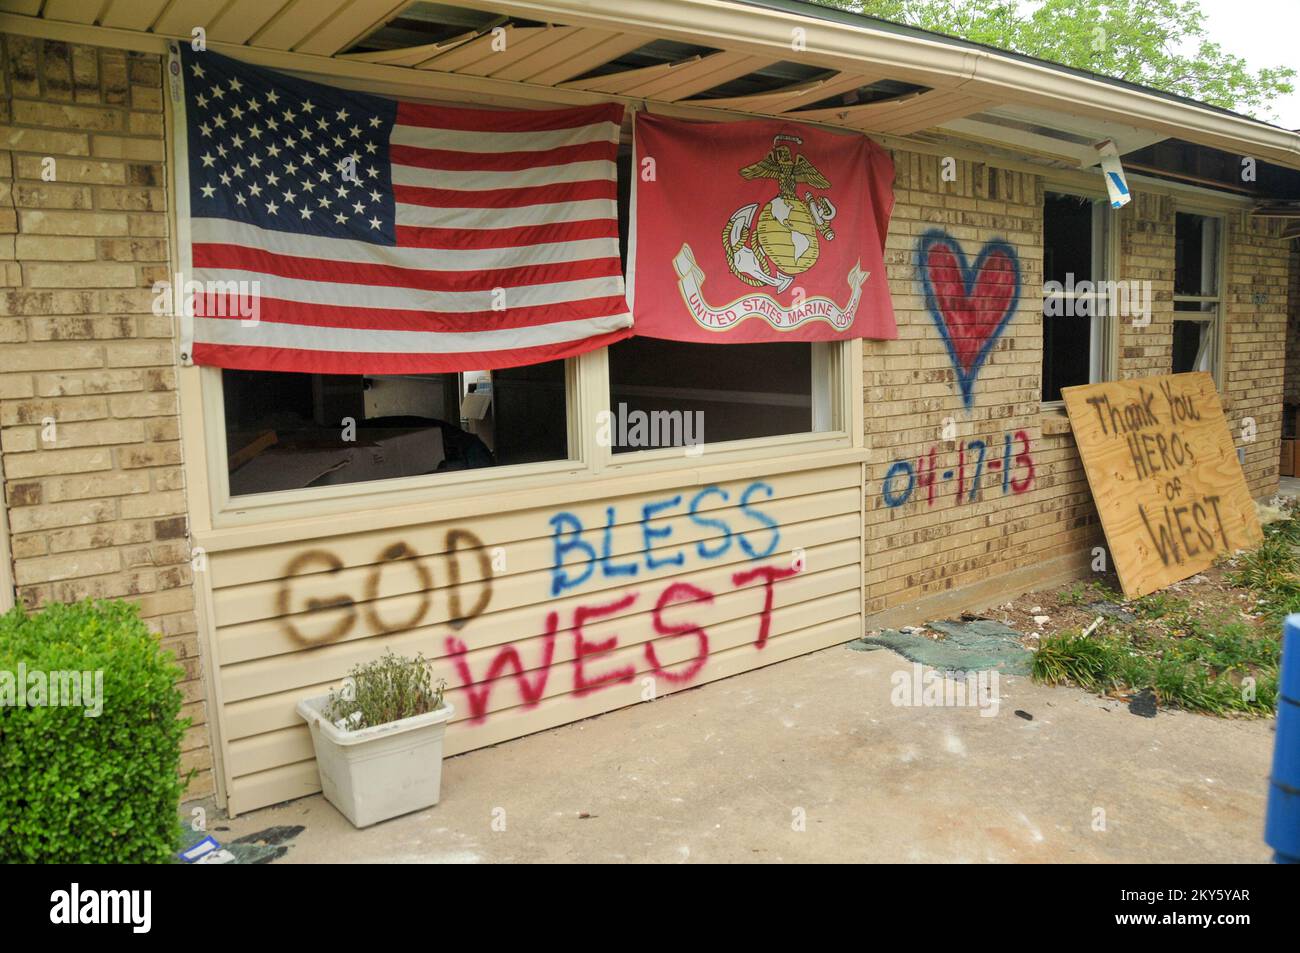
(1076, 331)
(1197, 301)
(292, 431)
(686, 394)
(712, 393)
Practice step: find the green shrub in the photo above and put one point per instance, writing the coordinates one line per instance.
(82, 789)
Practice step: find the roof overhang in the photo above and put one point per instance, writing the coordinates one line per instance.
(970, 92)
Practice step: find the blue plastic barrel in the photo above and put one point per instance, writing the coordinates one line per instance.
(1282, 826)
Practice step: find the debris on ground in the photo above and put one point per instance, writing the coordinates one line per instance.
(262, 847)
(1143, 704)
(1110, 610)
(955, 646)
(1021, 713)
(1271, 512)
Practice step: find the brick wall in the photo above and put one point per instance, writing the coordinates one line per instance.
(1255, 302)
(1291, 387)
(1146, 253)
(918, 548)
(98, 511)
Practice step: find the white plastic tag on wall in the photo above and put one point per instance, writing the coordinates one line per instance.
(1113, 171)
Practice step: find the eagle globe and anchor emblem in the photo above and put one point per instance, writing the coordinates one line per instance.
(767, 245)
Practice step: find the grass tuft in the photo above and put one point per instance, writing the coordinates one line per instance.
(1215, 662)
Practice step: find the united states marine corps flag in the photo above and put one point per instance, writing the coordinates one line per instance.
(758, 231)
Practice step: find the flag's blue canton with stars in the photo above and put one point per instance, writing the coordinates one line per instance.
(285, 154)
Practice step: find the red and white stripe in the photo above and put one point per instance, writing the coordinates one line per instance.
(513, 208)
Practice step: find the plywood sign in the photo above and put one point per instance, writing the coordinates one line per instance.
(1164, 475)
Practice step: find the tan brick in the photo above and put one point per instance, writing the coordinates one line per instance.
(45, 357)
(130, 200)
(85, 74)
(149, 455)
(15, 440)
(39, 222)
(50, 516)
(63, 116)
(34, 411)
(152, 504)
(96, 382)
(81, 276)
(116, 586)
(99, 433)
(134, 249)
(82, 328)
(66, 169)
(25, 547)
(52, 462)
(81, 487)
(139, 354)
(50, 248)
(13, 330)
(147, 224)
(45, 142)
(117, 147)
(24, 73)
(143, 405)
(48, 302)
(161, 603)
(162, 429)
(94, 562)
(16, 386)
(56, 69)
(137, 301)
(98, 536)
(44, 196)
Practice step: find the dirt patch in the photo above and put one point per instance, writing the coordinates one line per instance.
(1076, 606)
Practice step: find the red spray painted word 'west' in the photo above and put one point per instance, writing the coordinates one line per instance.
(577, 560)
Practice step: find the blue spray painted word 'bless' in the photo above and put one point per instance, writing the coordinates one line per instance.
(576, 558)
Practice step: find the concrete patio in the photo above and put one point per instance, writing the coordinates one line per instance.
(725, 772)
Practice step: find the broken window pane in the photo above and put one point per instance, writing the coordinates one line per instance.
(1196, 270)
(1196, 293)
(1073, 322)
(291, 431)
(671, 393)
(1193, 339)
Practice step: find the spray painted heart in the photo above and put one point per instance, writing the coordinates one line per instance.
(970, 304)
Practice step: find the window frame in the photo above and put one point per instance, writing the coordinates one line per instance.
(587, 395)
(1103, 337)
(1218, 326)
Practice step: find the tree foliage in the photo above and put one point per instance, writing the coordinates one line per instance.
(1162, 44)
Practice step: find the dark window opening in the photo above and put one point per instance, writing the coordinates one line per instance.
(1194, 255)
(717, 392)
(1071, 247)
(291, 431)
(1196, 292)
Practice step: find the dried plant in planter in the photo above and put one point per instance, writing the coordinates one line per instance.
(390, 688)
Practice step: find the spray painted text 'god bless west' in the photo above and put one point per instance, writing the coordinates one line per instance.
(581, 554)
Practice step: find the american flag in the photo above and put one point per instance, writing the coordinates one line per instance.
(378, 236)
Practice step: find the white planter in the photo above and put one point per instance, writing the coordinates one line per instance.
(381, 772)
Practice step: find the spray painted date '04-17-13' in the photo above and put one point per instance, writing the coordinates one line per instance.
(1015, 467)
